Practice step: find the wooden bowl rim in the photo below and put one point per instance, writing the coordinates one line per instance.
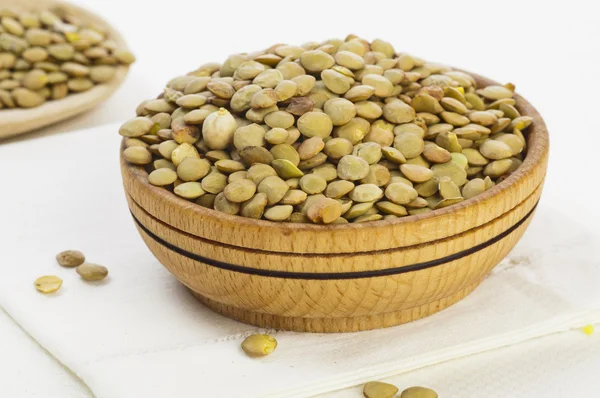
(16, 121)
(537, 149)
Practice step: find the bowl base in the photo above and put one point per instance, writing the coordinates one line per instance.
(334, 325)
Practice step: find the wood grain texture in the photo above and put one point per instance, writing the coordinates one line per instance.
(334, 305)
(335, 324)
(237, 266)
(19, 121)
(310, 238)
(334, 262)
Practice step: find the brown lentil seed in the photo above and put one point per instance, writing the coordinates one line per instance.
(338, 189)
(274, 187)
(324, 210)
(254, 207)
(240, 190)
(400, 193)
(189, 190)
(70, 258)
(366, 193)
(418, 392)
(352, 168)
(26, 98)
(92, 272)
(294, 197)
(497, 168)
(278, 213)
(416, 173)
(137, 155)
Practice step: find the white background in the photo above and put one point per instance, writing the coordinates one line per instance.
(550, 50)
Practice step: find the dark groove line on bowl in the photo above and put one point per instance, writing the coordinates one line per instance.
(335, 275)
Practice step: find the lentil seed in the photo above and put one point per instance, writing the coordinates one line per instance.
(341, 131)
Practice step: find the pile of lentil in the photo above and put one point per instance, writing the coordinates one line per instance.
(50, 54)
(333, 132)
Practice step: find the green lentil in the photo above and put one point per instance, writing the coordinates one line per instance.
(339, 131)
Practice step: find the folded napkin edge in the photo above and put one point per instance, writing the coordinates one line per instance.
(377, 372)
(70, 371)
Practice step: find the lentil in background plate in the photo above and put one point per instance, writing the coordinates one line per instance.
(332, 132)
(51, 54)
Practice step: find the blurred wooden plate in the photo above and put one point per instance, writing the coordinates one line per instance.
(19, 121)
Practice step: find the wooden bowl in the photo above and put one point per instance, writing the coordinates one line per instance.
(339, 278)
(19, 121)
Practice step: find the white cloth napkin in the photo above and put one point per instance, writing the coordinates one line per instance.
(140, 333)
